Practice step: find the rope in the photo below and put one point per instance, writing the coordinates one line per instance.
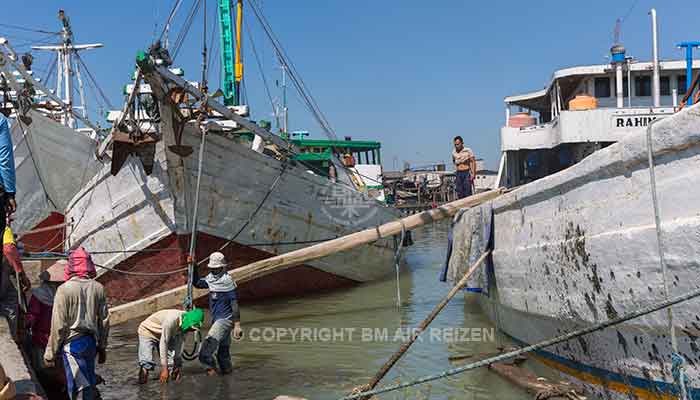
(662, 259)
(193, 237)
(421, 328)
(188, 303)
(94, 81)
(528, 349)
(176, 6)
(197, 346)
(262, 72)
(284, 59)
(36, 167)
(25, 29)
(397, 260)
(166, 273)
(253, 214)
(185, 29)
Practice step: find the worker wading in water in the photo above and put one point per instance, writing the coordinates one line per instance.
(79, 326)
(164, 331)
(223, 304)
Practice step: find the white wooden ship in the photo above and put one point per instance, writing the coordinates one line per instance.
(53, 136)
(575, 243)
(256, 198)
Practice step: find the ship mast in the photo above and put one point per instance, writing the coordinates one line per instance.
(65, 52)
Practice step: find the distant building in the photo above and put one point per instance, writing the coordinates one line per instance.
(485, 178)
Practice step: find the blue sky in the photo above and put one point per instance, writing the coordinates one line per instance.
(411, 74)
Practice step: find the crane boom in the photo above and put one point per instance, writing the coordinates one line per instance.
(227, 57)
(239, 63)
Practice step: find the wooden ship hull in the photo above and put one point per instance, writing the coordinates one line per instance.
(52, 163)
(580, 247)
(141, 223)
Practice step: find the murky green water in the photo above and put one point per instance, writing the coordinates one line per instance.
(319, 365)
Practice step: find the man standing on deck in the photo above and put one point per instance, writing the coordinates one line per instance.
(79, 326)
(465, 164)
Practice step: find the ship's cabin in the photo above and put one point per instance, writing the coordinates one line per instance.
(360, 158)
(584, 109)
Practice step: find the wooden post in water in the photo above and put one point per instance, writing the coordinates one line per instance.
(174, 297)
(434, 313)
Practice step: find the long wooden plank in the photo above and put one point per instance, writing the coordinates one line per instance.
(174, 297)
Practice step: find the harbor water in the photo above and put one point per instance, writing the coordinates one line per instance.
(323, 345)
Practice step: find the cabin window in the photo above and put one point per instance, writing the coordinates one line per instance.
(602, 87)
(642, 86)
(682, 82)
(665, 86)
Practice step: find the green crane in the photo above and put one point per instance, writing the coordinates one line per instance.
(231, 65)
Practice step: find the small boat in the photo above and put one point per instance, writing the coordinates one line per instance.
(575, 242)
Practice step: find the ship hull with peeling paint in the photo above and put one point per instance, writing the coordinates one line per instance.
(580, 247)
(142, 223)
(42, 148)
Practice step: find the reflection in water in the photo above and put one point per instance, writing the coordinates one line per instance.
(339, 343)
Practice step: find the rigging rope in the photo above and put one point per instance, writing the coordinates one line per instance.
(185, 29)
(298, 82)
(193, 238)
(528, 349)
(94, 81)
(253, 214)
(164, 273)
(397, 261)
(25, 29)
(662, 258)
(176, 6)
(262, 72)
(36, 167)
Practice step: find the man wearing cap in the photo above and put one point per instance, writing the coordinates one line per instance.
(79, 325)
(164, 331)
(223, 304)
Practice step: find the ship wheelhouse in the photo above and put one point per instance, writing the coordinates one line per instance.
(582, 110)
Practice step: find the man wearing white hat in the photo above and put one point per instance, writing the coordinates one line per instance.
(223, 305)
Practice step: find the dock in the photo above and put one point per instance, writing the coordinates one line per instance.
(16, 366)
(13, 360)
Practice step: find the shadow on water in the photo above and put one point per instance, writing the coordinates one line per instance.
(324, 365)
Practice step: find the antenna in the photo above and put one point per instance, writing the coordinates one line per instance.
(617, 31)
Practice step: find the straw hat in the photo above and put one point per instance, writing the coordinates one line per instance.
(54, 273)
(217, 260)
